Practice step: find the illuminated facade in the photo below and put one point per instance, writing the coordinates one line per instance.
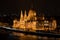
(30, 23)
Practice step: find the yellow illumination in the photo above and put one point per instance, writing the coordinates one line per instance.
(27, 24)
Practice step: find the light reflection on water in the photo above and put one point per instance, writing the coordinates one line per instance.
(22, 36)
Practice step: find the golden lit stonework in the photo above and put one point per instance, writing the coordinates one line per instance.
(30, 22)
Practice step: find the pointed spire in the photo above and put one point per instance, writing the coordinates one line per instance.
(25, 16)
(21, 15)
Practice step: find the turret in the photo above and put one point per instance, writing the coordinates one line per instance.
(25, 16)
(21, 16)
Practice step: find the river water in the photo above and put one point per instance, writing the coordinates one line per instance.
(21, 36)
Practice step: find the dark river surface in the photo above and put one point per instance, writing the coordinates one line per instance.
(21, 36)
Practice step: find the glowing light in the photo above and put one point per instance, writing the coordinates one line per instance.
(30, 23)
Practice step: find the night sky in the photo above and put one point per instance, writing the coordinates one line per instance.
(13, 7)
(49, 7)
